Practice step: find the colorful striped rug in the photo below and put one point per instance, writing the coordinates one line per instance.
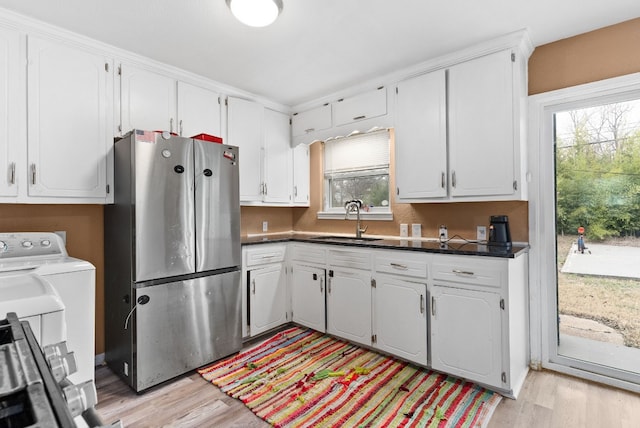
(302, 378)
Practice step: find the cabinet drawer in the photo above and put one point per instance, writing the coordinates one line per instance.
(263, 254)
(311, 121)
(359, 107)
(402, 263)
(482, 271)
(314, 254)
(351, 259)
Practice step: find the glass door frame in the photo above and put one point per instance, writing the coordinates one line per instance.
(542, 226)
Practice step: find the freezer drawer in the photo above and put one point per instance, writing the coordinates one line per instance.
(184, 325)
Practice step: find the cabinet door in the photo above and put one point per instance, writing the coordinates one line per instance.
(278, 158)
(307, 296)
(349, 304)
(148, 100)
(245, 130)
(466, 334)
(359, 107)
(310, 121)
(301, 175)
(421, 137)
(10, 91)
(481, 129)
(69, 131)
(267, 298)
(198, 111)
(400, 317)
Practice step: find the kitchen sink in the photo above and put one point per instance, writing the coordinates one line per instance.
(346, 239)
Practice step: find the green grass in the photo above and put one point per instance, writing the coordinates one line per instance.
(614, 302)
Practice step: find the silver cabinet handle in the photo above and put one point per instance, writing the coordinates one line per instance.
(321, 285)
(442, 182)
(12, 173)
(453, 179)
(359, 117)
(306, 131)
(421, 304)
(33, 173)
(171, 125)
(329, 286)
(253, 283)
(398, 266)
(265, 189)
(433, 306)
(180, 125)
(295, 191)
(463, 272)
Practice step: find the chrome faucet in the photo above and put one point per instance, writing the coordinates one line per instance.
(351, 206)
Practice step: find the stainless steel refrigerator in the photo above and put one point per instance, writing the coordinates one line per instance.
(172, 257)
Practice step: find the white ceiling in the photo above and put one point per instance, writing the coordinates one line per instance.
(316, 47)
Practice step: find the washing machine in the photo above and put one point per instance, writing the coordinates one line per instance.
(43, 255)
(34, 300)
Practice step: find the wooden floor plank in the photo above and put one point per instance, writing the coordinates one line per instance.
(547, 400)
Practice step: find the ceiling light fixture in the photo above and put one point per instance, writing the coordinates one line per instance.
(255, 13)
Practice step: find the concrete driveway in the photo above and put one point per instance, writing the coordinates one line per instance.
(604, 260)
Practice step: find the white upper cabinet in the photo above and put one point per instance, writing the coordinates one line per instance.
(307, 122)
(459, 131)
(366, 105)
(421, 137)
(10, 99)
(278, 157)
(245, 129)
(148, 100)
(481, 126)
(198, 111)
(264, 138)
(301, 175)
(69, 120)
(155, 102)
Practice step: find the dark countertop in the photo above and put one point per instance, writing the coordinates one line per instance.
(455, 248)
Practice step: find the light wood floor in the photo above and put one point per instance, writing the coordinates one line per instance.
(547, 400)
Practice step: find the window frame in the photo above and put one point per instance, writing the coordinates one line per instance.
(373, 213)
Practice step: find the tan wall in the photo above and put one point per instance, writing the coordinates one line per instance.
(597, 55)
(460, 218)
(589, 57)
(85, 239)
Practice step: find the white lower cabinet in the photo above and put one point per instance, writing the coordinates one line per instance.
(462, 315)
(267, 298)
(349, 304)
(308, 296)
(479, 320)
(466, 330)
(400, 317)
(264, 288)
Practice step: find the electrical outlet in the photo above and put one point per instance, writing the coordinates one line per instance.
(416, 230)
(265, 226)
(443, 234)
(404, 230)
(481, 233)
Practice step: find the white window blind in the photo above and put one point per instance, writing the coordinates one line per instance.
(356, 153)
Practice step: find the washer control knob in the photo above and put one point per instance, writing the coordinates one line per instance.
(27, 244)
(45, 243)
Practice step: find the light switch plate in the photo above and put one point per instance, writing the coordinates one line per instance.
(416, 230)
(404, 230)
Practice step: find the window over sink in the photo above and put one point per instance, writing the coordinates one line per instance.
(357, 167)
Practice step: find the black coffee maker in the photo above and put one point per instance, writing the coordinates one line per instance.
(499, 231)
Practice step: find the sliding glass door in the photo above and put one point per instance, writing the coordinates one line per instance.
(595, 323)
